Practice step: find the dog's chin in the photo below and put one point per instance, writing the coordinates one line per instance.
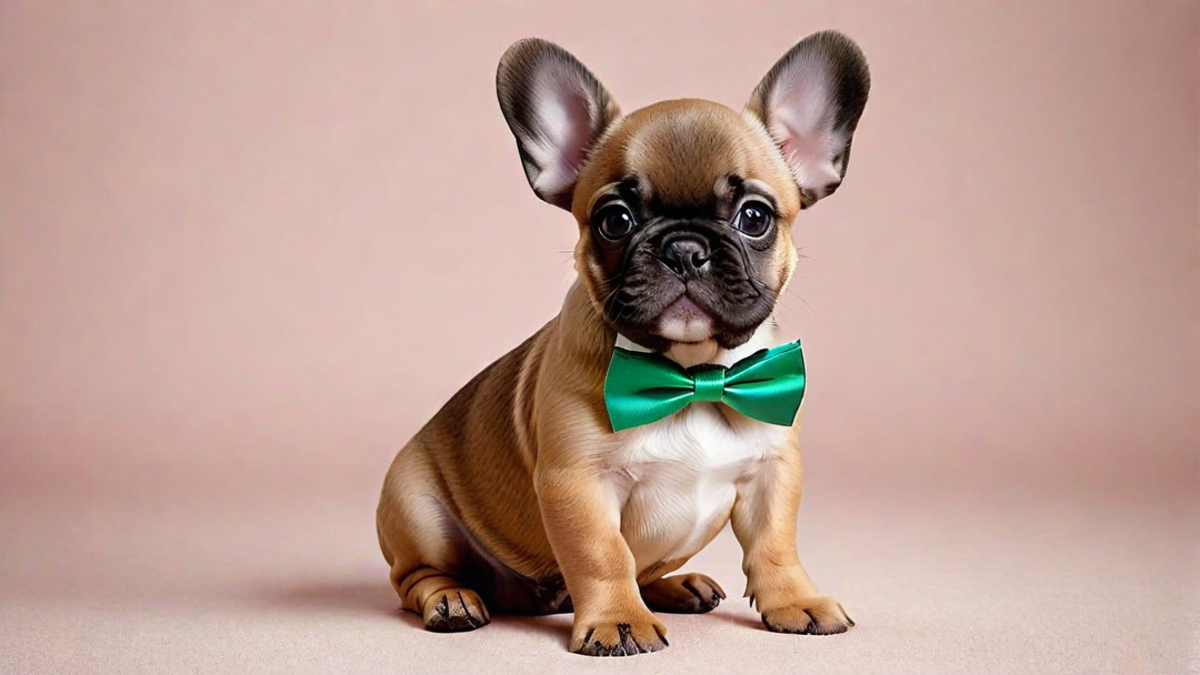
(685, 322)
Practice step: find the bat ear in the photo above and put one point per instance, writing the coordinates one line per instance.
(810, 102)
(556, 109)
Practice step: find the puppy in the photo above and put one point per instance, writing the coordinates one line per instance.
(519, 496)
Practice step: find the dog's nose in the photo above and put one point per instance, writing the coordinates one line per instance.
(685, 256)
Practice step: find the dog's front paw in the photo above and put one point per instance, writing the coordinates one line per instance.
(626, 636)
(813, 615)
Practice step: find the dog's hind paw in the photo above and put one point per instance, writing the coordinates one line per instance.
(454, 610)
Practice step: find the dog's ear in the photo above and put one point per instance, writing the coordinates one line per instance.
(557, 110)
(810, 102)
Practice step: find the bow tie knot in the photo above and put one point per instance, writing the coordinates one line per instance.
(709, 384)
(642, 388)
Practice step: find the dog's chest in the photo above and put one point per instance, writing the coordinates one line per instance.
(677, 479)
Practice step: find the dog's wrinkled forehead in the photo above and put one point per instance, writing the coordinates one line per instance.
(682, 155)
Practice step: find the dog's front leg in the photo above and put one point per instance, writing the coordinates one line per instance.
(583, 522)
(764, 521)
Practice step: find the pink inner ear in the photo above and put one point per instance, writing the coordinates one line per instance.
(563, 113)
(800, 119)
(808, 154)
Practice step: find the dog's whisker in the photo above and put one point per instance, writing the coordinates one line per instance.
(799, 297)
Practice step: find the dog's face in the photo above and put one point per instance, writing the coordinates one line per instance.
(685, 207)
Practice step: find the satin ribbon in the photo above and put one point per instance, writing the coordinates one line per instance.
(643, 387)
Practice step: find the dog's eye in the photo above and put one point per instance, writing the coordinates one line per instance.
(615, 223)
(753, 219)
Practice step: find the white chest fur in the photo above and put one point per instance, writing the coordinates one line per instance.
(676, 479)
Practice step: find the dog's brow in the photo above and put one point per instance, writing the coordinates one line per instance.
(630, 188)
(733, 189)
(605, 199)
(761, 190)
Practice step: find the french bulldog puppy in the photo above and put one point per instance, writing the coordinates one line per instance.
(518, 496)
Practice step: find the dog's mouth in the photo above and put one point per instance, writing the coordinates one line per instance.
(661, 311)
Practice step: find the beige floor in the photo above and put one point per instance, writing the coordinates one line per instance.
(987, 584)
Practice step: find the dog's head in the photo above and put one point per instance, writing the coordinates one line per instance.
(685, 207)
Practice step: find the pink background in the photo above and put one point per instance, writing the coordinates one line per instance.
(246, 249)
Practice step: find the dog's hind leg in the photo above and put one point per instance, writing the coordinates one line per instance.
(426, 561)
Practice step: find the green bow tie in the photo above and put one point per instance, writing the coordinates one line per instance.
(642, 388)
